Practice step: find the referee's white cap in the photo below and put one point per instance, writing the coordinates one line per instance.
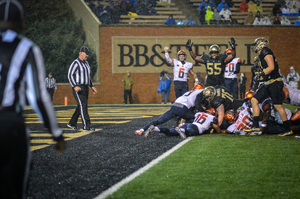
(11, 11)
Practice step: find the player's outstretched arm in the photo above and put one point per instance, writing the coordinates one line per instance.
(221, 114)
(194, 75)
(216, 128)
(167, 56)
(189, 45)
(230, 57)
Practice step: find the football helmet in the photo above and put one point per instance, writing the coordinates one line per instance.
(198, 86)
(181, 52)
(260, 43)
(228, 51)
(211, 111)
(230, 116)
(249, 94)
(214, 48)
(297, 115)
(209, 92)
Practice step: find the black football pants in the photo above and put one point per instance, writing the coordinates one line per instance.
(82, 109)
(15, 156)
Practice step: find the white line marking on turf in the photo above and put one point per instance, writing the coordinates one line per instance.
(129, 178)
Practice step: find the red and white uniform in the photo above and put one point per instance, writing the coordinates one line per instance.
(243, 122)
(180, 70)
(203, 121)
(231, 68)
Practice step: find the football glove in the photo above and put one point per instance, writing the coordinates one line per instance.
(232, 43)
(257, 77)
(189, 45)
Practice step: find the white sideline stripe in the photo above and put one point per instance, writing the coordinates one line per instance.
(129, 178)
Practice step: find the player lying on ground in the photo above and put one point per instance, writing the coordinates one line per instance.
(240, 120)
(202, 123)
(182, 106)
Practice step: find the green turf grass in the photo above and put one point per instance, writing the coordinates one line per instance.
(292, 108)
(223, 166)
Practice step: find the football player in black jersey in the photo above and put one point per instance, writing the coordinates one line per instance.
(224, 101)
(272, 86)
(255, 69)
(215, 62)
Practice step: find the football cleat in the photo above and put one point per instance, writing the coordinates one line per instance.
(181, 124)
(297, 137)
(139, 132)
(182, 134)
(89, 129)
(71, 127)
(148, 131)
(287, 133)
(252, 129)
(256, 133)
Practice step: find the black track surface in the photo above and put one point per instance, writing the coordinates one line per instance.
(95, 162)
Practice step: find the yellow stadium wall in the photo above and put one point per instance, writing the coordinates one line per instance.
(284, 41)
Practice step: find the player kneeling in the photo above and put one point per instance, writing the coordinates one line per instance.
(203, 122)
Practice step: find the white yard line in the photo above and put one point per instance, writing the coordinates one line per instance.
(131, 177)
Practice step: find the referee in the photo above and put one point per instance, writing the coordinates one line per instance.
(22, 73)
(50, 84)
(79, 76)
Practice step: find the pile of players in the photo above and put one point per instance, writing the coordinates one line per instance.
(211, 108)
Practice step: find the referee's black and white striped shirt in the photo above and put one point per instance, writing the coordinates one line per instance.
(22, 73)
(50, 83)
(80, 73)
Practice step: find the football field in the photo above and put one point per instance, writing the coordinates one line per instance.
(113, 162)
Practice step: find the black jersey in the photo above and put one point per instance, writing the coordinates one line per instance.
(215, 69)
(263, 64)
(255, 69)
(224, 97)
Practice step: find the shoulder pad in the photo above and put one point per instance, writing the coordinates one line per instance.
(215, 103)
(265, 51)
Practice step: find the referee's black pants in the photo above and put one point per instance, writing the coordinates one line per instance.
(82, 109)
(15, 156)
(51, 92)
